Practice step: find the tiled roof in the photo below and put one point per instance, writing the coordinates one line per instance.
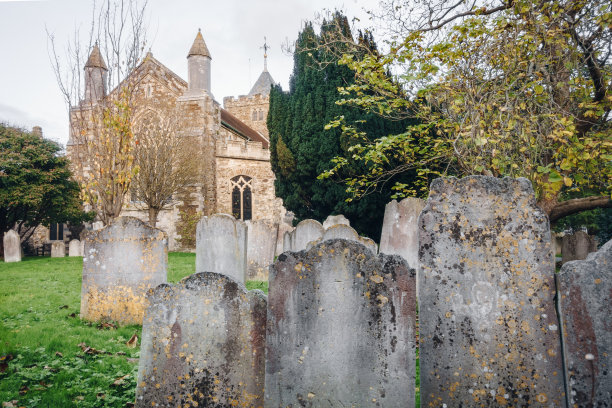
(263, 84)
(233, 123)
(199, 47)
(95, 59)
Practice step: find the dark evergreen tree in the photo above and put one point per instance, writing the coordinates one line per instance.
(301, 147)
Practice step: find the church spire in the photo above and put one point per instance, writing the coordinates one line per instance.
(95, 59)
(265, 47)
(95, 76)
(199, 46)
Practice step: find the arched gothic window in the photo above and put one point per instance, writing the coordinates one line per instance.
(254, 117)
(242, 207)
(260, 115)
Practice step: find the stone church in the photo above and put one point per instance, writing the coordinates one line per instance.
(231, 141)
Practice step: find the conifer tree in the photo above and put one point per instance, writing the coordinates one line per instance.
(302, 146)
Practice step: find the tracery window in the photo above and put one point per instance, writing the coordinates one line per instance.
(242, 208)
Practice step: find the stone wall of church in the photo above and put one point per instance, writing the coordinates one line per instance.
(252, 110)
(237, 158)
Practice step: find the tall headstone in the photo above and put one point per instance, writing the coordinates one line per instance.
(58, 249)
(341, 329)
(489, 334)
(203, 345)
(332, 220)
(121, 263)
(306, 231)
(221, 246)
(399, 232)
(12, 246)
(585, 306)
(75, 248)
(284, 229)
(577, 246)
(287, 237)
(261, 246)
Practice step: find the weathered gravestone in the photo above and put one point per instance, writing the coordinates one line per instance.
(577, 246)
(261, 245)
(12, 246)
(343, 231)
(489, 334)
(221, 246)
(332, 220)
(75, 248)
(203, 345)
(585, 289)
(58, 249)
(341, 329)
(399, 232)
(305, 232)
(121, 263)
(284, 230)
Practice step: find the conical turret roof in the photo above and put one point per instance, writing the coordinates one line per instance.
(263, 84)
(95, 59)
(199, 47)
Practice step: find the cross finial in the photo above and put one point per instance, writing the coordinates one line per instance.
(265, 47)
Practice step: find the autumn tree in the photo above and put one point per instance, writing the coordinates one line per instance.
(502, 87)
(164, 159)
(92, 78)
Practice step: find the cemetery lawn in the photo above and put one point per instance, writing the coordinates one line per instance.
(48, 356)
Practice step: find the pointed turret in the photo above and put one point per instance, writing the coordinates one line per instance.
(95, 76)
(198, 61)
(264, 82)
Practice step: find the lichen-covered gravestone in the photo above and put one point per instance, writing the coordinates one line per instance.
(488, 328)
(221, 246)
(585, 289)
(74, 248)
(332, 220)
(121, 263)
(577, 246)
(12, 246)
(341, 329)
(58, 249)
(261, 245)
(203, 344)
(399, 232)
(306, 231)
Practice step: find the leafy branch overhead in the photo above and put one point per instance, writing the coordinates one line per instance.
(506, 88)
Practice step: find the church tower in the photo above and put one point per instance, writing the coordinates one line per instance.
(95, 76)
(198, 61)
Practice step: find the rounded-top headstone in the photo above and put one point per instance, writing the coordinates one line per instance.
(121, 263)
(75, 248)
(12, 246)
(489, 332)
(58, 249)
(399, 232)
(340, 231)
(221, 246)
(305, 232)
(261, 246)
(332, 220)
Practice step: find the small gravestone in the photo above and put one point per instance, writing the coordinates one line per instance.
(75, 248)
(585, 288)
(58, 249)
(203, 345)
(261, 245)
(12, 246)
(221, 245)
(121, 263)
(341, 329)
(332, 220)
(489, 334)
(340, 231)
(284, 229)
(577, 246)
(287, 236)
(399, 232)
(305, 232)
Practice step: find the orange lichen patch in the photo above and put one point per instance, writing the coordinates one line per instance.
(541, 398)
(376, 278)
(123, 304)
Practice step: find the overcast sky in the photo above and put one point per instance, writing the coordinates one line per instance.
(233, 30)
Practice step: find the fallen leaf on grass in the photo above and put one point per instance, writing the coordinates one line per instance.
(103, 326)
(100, 395)
(53, 370)
(121, 353)
(57, 353)
(64, 307)
(133, 341)
(24, 389)
(10, 404)
(120, 380)
(4, 362)
(90, 350)
(72, 315)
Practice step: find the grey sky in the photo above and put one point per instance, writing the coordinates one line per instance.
(233, 30)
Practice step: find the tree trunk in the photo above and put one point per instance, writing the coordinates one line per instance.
(153, 212)
(576, 205)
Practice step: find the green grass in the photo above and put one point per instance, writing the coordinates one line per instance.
(48, 356)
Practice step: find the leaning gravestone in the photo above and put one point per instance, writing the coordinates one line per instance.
(221, 245)
(58, 249)
(121, 263)
(74, 248)
(577, 246)
(585, 309)
(12, 246)
(399, 232)
(203, 345)
(489, 334)
(332, 220)
(341, 329)
(305, 232)
(261, 245)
